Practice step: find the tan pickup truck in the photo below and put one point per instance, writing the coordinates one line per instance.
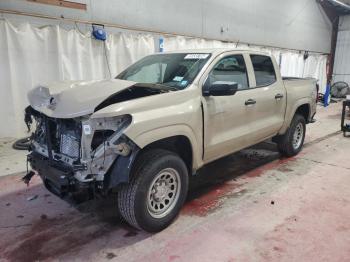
(145, 132)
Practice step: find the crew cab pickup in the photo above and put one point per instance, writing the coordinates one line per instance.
(143, 133)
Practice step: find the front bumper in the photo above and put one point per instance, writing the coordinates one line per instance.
(57, 178)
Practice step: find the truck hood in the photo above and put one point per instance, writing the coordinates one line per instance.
(71, 99)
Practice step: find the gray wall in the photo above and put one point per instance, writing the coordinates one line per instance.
(341, 70)
(294, 24)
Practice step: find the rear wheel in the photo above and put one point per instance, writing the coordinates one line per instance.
(292, 141)
(156, 192)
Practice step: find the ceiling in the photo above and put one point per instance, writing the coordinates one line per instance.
(342, 7)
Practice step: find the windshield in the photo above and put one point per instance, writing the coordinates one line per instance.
(176, 70)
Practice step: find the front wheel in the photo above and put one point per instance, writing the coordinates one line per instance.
(291, 143)
(156, 192)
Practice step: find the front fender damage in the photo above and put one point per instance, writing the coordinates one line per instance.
(120, 171)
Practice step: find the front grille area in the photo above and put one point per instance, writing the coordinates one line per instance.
(62, 136)
(70, 146)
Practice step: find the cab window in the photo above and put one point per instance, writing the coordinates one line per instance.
(177, 70)
(230, 69)
(263, 69)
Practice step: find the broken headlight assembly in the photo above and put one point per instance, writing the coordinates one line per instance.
(103, 133)
(103, 141)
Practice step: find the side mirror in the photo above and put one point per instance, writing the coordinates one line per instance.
(220, 88)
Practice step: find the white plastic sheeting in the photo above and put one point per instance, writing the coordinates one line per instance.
(125, 49)
(292, 64)
(30, 56)
(316, 67)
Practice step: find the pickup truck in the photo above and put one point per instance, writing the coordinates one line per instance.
(142, 134)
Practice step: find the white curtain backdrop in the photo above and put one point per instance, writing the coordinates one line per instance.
(30, 56)
(316, 67)
(172, 43)
(292, 64)
(124, 49)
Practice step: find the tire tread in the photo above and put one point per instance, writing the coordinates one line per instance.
(284, 142)
(127, 192)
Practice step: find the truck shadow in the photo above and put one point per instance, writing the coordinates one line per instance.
(231, 167)
(94, 225)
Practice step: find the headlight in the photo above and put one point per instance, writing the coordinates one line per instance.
(101, 130)
(108, 123)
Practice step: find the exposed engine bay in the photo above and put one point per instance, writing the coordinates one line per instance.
(83, 149)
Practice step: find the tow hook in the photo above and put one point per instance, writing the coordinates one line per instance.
(26, 179)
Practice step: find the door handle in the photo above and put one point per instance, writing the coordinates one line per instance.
(278, 96)
(250, 102)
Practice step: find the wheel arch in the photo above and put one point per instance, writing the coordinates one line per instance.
(303, 110)
(179, 144)
(173, 138)
(302, 107)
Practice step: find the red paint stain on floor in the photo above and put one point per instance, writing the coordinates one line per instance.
(211, 200)
(273, 165)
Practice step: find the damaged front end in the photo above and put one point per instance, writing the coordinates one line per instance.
(80, 155)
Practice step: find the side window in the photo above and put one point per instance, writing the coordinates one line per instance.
(230, 69)
(263, 69)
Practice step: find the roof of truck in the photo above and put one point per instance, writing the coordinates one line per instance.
(216, 51)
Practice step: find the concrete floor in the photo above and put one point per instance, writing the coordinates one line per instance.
(250, 206)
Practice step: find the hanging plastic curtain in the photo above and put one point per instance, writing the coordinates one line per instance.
(292, 64)
(125, 49)
(316, 67)
(172, 43)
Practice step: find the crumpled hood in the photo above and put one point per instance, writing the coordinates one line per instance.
(71, 99)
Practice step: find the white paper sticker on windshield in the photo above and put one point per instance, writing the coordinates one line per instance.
(178, 78)
(196, 56)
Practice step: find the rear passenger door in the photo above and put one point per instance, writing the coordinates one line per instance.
(269, 96)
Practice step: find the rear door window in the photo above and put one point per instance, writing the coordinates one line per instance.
(264, 70)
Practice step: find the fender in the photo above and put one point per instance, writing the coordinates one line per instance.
(120, 170)
(291, 112)
(150, 136)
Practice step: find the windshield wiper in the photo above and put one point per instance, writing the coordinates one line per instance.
(157, 86)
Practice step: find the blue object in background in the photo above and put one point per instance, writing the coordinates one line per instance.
(99, 32)
(326, 95)
(161, 44)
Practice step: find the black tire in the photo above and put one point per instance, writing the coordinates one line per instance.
(22, 144)
(133, 197)
(285, 142)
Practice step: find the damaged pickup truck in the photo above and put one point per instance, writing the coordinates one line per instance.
(145, 132)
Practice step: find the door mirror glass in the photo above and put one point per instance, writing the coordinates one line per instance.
(221, 88)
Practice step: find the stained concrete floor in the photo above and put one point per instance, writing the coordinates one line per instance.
(249, 206)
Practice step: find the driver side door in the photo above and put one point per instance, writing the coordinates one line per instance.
(227, 119)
